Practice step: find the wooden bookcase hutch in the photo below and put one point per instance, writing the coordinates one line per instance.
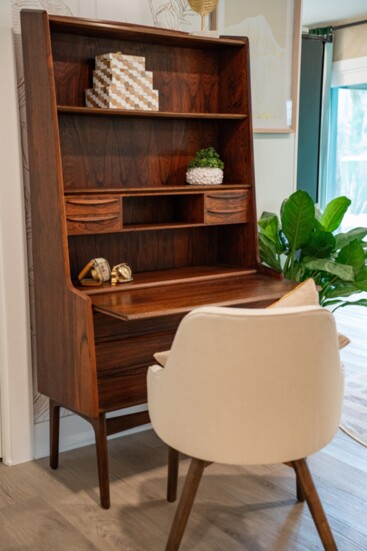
(111, 183)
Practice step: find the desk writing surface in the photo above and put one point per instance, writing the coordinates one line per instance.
(173, 299)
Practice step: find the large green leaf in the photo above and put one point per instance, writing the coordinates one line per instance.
(359, 302)
(343, 239)
(268, 252)
(353, 255)
(330, 302)
(269, 224)
(318, 214)
(342, 289)
(361, 279)
(298, 218)
(342, 271)
(334, 213)
(321, 244)
(295, 273)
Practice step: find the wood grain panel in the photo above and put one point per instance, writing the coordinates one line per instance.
(100, 152)
(187, 79)
(147, 251)
(66, 373)
(152, 303)
(123, 390)
(119, 356)
(163, 209)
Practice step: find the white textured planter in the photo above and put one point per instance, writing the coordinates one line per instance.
(204, 176)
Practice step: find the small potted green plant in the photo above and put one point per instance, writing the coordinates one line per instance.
(206, 168)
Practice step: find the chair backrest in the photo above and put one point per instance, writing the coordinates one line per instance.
(249, 386)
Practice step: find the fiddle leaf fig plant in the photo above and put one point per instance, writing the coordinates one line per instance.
(303, 244)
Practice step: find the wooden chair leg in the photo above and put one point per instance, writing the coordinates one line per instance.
(100, 431)
(173, 459)
(54, 434)
(313, 501)
(300, 493)
(185, 504)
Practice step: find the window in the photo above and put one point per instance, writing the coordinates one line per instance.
(347, 164)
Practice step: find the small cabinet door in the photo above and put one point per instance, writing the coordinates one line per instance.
(97, 214)
(226, 207)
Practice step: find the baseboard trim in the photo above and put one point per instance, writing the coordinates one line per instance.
(75, 432)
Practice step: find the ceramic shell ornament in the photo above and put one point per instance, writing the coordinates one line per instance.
(203, 8)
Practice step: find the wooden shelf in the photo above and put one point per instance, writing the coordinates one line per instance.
(169, 277)
(160, 190)
(141, 33)
(76, 110)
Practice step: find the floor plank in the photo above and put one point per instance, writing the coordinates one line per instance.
(237, 508)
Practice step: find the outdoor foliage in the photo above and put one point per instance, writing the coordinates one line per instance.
(304, 243)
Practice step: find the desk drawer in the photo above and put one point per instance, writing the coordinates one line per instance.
(226, 207)
(97, 214)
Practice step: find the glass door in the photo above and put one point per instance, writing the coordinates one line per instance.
(347, 161)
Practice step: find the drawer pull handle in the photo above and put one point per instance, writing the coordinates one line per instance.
(228, 196)
(225, 212)
(91, 218)
(91, 201)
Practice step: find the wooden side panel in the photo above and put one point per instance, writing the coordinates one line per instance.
(65, 341)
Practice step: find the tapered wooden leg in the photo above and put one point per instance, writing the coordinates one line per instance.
(173, 459)
(100, 432)
(300, 493)
(185, 504)
(54, 434)
(313, 501)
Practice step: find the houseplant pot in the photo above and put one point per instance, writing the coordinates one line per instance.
(205, 169)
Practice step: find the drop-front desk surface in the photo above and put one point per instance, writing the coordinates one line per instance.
(249, 291)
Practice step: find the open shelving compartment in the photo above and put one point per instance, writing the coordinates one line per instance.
(141, 157)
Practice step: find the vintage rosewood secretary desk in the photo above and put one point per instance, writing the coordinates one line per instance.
(111, 183)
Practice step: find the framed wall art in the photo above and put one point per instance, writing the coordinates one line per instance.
(274, 31)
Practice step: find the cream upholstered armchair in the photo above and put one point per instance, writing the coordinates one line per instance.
(248, 386)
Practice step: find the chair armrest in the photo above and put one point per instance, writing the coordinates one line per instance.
(162, 357)
(156, 369)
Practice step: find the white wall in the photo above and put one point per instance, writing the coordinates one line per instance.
(15, 365)
(275, 154)
(274, 168)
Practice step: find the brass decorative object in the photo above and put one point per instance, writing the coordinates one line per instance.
(121, 273)
(99, 271)
(203, 8)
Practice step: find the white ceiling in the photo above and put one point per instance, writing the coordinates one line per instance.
(326, 11)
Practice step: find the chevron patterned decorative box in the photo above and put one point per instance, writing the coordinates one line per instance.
(120, 61)
(116, 97)
(121, 82)
(124, 78)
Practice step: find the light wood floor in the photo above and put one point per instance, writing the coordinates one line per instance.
(237, 508)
